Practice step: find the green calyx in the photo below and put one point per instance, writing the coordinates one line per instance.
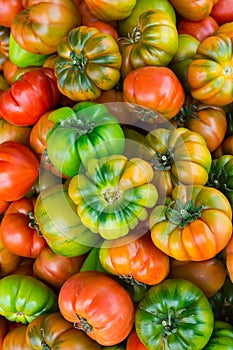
(79, 60)
(162, 161)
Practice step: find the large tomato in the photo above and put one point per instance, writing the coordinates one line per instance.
(196, 225)
(222, 11)
(19, 169)
(155, 92)
(153, 42)
(174, 315)
(38, 30)
(98, 305)
(88, 63)
(30, 97)
(15, 339)
(52, 331)
(193, 10)
(17, 229)
(199, 29)
(211, 71)
(114, 194)
(111, 10)
(22, 298)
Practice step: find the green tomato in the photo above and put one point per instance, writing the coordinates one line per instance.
(221, 338)
(174, 315)
(88, 130)
(23, 298)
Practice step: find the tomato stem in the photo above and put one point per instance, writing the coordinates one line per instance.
(162, 161)
(33, 224)
(43, 344)
(82, 324)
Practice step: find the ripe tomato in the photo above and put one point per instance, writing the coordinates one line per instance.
(98, 305)
(15, 339)
(222, 11)
(199, 29)
(134, 343)
(8, 261)
(8, 10)
(193, 10)
(11, 132)
(109, 11)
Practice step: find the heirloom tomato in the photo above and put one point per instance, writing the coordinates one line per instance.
(222, 11)
(134, 343)
(128, 24)
(11, 132)
(221, 338)
(22, 298)
(17, 229)
(113, 195)
(41, 25)
(111, 10)
(153, 42)
(154, 93)
(98, 305)
(209, 121)
(222, 302)
(196, 225)
(211, 71)
(174, 315)
(199, 29)
(19, 169)
(140, 261)
(221, 176)
(52, 331)
(28, 98)
(8, 10)
(59, 223)
(15, 339)
(54, 269)
(193, 10)
(177, 156)
(86, 131)
(88, 63)
(225, 148)
(8, 260)
(229, 258)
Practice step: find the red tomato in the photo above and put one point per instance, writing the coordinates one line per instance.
(98, 305)
(18, 230)
(105, 27)
(8, 10)
(199, 29)
(30, 97)
(19, 169)
(134, 343)
(222, 12)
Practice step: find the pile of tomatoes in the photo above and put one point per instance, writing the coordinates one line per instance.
(116, 174)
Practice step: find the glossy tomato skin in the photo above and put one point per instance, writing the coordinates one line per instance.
(11, 132)
(193, 10)
(221, 337)
(156, 89)
(30, 97)
(18, 231)
(15, 339)
(23, 297)
(199, 29)
(99, 305)
(54, 332)
(17, 158)
(134, 343)
(222, 11)
(174, 314)
(110, 11)
(38, 31)
(8, 10)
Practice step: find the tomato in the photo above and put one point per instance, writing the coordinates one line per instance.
(8, 10)
(55, 269)
(4, 44)
(226, 147)
(222, 11)
(157, 92)
(221, 338)
(15, 339)
(22, 298)
(174, 314)
(196, 225)
(193, 10)
(113, 195)
(128, 24)
(59, 223)
(199, 29)
(11, 132)
(52, 331)
(109, 11)
(3, 329)
(210, 73)
(209, 121)
(105, 27)
(37, 30)
(9, 69)
(89, 62)
(98, 305)
(229, 258)
(187, 47)
(225, 28)
(17, 229)
(153, 42)
(8, 260)
(88, 130)
(134, 343)
(177, 156)
(17, 162)
(140, 261)
(25, 267)
(30, 97)
(209, 275)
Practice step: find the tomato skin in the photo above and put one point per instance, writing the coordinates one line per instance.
(199, 29)
(209, 275)
(23, 297)
(8, 10)
(53, 331)
(11, 132)
(100, 311)
(193, 10)
(15, 339)
(110, 11)
(155, 88)
(55, 269)
(3, 330)
(8, 261)
(15, 230)
(4, 45)
(30, 97)
(134, 343)
(179, 304)
(204, 234)
(16, 158)
(229, 258)
(222, 11)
